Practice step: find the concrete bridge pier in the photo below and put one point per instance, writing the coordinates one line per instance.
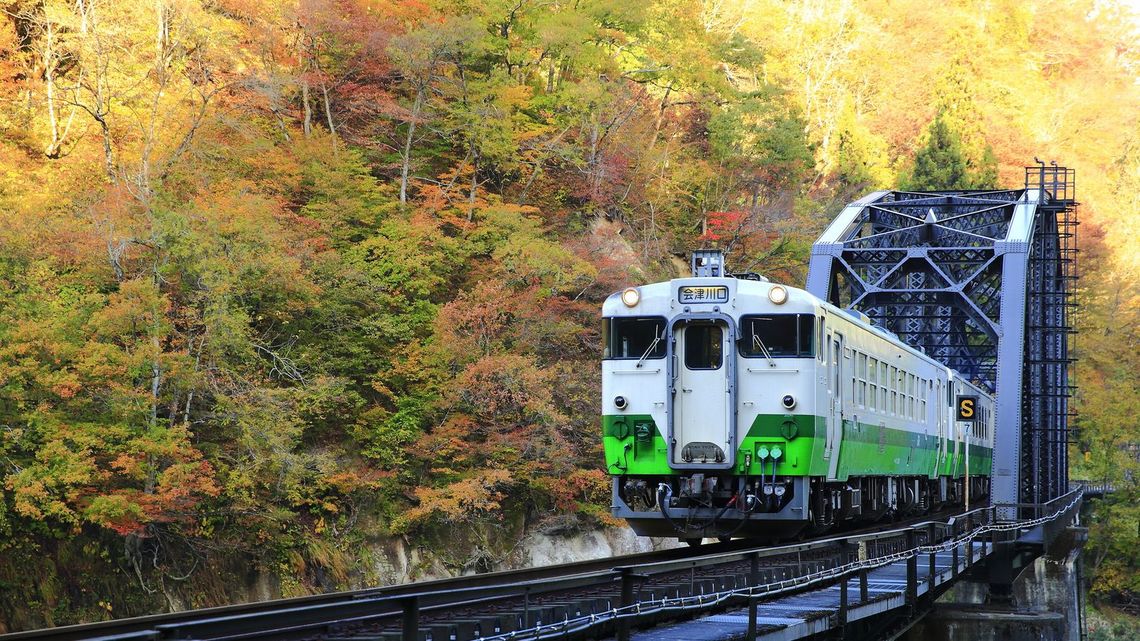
(1044, 604)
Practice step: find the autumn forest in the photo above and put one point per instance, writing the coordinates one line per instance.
(284, 282)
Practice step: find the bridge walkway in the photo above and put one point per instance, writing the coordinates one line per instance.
(802, 615)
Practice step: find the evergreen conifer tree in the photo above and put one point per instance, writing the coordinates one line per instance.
(940, 164)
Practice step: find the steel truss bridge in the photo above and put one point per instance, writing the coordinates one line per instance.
(981, 280)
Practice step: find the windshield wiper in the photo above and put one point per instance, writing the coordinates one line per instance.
(756, 342)
(656, 339)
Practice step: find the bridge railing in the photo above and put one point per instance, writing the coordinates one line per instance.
(1092, 488)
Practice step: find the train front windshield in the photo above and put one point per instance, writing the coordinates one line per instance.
(633, 337)
(780, 335)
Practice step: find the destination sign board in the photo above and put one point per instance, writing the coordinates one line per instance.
(703, 294)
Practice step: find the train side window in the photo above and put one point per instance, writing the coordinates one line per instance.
(922, 403)
(633, 337)
(873, 378)
(703, 346)
(910, 395)
(861, 374)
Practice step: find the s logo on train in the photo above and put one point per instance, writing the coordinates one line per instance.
(737, 407)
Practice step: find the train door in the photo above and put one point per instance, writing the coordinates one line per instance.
(702, 399)
(951, 424)
(835, 420)
(960, 435)
(939, 402)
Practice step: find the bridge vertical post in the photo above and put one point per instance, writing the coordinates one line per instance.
(1006, 474)
(911, 568)
(754, 577)
(954, 555)
(933, 557)
(843, 602)
(411, 627)
(623, 625)
(969, 541)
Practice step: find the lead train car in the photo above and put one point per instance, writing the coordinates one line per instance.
(743, 408)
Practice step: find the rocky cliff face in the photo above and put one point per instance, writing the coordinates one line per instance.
(73, 584)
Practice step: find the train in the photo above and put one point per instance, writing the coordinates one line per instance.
(735, 407)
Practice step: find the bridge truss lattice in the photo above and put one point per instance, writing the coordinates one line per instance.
(982, 281)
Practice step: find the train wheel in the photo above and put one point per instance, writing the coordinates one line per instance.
(724, 539)
(693, 542)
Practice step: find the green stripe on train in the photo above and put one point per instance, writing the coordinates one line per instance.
(634, 445)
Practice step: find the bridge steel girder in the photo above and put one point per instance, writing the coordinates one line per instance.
(979, 280)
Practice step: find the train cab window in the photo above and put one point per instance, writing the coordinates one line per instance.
(777, 335)
(703, 346)
(633, 337)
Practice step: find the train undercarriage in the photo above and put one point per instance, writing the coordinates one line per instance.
(700, 506)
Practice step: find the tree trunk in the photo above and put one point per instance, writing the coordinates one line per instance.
(52, 150)
(307, 125)
(81, 9)
(660, 116)
(161, 34)
(407, 153)
(281, 124)
(108, 152)
(474, 183)
(328, 109)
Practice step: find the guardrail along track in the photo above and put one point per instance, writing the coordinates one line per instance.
(593, 599)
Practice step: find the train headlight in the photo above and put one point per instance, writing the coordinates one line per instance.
(788, 401)
(620, 402)
(631, 297)
(778, 294)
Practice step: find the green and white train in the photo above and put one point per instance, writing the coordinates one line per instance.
(736, 407)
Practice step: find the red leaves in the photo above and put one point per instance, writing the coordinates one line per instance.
(723, 224)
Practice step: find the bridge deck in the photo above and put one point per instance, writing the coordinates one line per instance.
(802, 615)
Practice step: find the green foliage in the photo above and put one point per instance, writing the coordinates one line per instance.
(942, 163)
(1104, 624)
(939, 164)
(1114, 544)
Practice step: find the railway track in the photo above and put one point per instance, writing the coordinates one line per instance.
(525, 603)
